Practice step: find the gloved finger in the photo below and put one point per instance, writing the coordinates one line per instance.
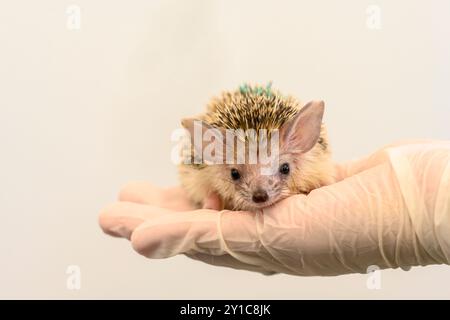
(228, 261)
(121, 218)
(181, 232)
(205, 231)
(143, 192)
(353, 167)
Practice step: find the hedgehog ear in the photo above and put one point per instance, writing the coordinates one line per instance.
(207, 141)
(302, 131)
(193, 126)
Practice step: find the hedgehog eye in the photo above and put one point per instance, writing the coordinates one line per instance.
(235, 175)
(284, 168)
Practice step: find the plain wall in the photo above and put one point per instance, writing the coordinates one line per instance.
(84, 111)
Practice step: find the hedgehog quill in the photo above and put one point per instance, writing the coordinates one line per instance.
(256, 115)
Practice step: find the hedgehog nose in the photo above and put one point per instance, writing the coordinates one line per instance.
(260, 196)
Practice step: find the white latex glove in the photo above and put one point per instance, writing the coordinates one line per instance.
(391, 209)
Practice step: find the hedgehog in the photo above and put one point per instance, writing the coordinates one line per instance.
(261, 121)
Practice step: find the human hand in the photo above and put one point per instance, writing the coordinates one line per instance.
(391, 209)
(139, 201)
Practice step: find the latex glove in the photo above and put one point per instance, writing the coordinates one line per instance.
(391, 209)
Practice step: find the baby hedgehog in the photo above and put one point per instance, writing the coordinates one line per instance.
(253, 115)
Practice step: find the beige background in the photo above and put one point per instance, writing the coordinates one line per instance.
(84, 111)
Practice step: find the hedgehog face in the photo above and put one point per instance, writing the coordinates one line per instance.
(248, 187)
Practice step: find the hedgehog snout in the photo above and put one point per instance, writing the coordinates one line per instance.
(260, 196)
